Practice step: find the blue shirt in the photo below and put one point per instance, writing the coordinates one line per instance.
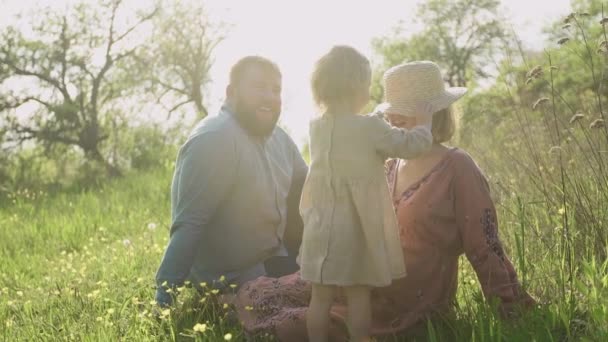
(233, 196)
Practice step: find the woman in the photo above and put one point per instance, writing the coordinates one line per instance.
(444, 210)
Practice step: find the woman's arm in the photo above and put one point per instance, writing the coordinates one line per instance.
(476, 218)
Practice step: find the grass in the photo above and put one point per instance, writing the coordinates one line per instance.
(80, 266)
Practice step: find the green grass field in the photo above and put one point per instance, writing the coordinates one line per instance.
(80, 266)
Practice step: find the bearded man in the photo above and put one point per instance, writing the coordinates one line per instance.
(235, 191)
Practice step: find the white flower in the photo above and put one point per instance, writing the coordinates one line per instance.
(152, 226)
(126, 242)
(228, 337)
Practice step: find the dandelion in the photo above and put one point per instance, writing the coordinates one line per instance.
(225, 306)
(598, 123)
(215, 291)
(201, 328)
(152, 226)
(228, 337)
(222, 279)
(563, 40)
(576, 117)
(539, 102)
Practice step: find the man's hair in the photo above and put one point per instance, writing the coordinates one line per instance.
(238, 70)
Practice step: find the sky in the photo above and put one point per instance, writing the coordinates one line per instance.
(295, 33)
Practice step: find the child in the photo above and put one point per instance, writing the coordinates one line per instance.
(350, 237)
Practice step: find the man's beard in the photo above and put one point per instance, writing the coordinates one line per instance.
(247, 118)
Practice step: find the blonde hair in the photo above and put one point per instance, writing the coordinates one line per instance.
(444, 125)
(339, 77)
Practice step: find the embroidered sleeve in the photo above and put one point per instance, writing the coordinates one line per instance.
(476, 218)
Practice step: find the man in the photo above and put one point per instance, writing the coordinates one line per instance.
(236, 190)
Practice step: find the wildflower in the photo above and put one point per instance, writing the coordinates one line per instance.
(539, 102)
(198, 327)
(233, 286)
(111, 311)
(576, 117)
(228, 337)
(563, 40)
(99, 319)
(222, 279)
(20, 293)
(249, 308)
(598, 123)
(225, 306)
(203, 284)
(165, 312)
(215, 291)
(561, 211)
(152, 226)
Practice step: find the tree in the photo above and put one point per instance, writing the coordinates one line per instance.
(75, 62)
(180, 55)
(463, 36)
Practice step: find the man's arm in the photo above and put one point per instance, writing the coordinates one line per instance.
(205, 173)
(294, 227)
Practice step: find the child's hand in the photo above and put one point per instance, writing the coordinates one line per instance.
(424, 113)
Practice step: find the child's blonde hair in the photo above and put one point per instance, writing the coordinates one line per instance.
(339, 77)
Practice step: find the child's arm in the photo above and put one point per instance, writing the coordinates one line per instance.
(393, 142)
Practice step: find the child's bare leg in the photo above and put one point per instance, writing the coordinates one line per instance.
(317, 316)
(359, 312)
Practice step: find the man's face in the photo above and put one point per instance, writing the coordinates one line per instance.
(257, 100)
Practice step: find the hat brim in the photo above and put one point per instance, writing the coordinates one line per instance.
(444, 100)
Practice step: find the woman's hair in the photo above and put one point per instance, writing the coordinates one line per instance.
(339, 77)
(444, 125)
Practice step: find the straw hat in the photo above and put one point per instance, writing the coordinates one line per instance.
(408, 85)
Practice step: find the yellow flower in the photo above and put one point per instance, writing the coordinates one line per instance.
(249, 308)
(561, 211)
(228, 337)
(20, 293)
(200, 327)
(165, 312)
(215, 291)
(225, 306)
(222, 279)
(111, 311)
